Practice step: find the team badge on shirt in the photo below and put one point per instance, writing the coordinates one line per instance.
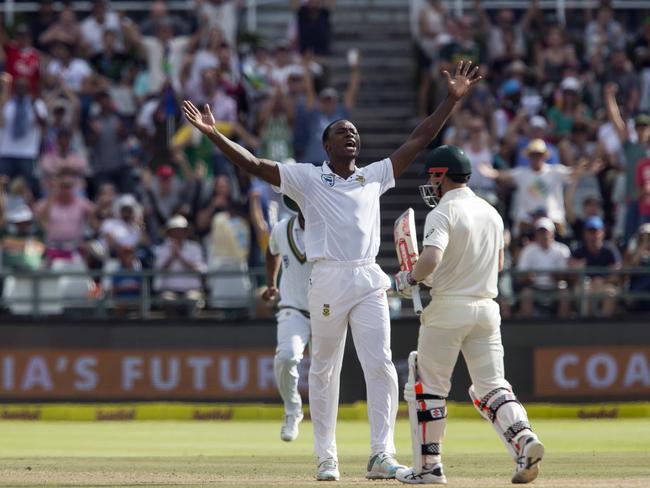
(328, 179)
(326, 310)
(361, 180)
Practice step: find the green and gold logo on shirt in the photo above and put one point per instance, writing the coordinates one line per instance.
(326, 310)
(361, 180)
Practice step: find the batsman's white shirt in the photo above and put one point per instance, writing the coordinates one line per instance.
(341, 214)
(287, 241)
(469, 268)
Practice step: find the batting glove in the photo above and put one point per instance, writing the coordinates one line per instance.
(409, 392)
(403, 284)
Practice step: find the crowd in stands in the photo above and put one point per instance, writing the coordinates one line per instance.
(559, 139)
(98, 166)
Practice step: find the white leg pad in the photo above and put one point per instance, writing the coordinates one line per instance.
(508, 417)
(428, 418)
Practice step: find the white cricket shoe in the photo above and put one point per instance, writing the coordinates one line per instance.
(531, 453)
(289, 430)
(383, 466)
(328, 470)
(430, 475)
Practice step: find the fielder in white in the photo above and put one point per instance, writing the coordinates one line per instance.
(461, 259)
(342, 230)
(287, 250)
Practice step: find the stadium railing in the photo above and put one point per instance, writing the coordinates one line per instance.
(44, 292)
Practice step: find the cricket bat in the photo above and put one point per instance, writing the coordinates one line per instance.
(406, 245)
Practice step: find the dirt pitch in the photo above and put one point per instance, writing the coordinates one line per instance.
(592, 454)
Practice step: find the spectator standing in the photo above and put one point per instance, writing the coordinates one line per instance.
(22, 60)
(221, 14)
(125, 228)
(60, 157)
(178, 253)
(65, 29)
(99, 21)
(23, 119)
(72, 71)
(544, 253)
(569, 110)
(638, 255)
(556, 54)
(594, 252)
(314, 29)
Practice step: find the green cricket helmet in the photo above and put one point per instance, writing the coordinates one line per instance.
(450, 161)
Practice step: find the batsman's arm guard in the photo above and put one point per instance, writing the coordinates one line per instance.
(506, 414)
(427, 417)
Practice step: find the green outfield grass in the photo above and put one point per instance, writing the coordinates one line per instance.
(592, 453)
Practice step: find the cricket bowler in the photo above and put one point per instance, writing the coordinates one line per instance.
(340, 202)
(286, 250)
(462, 256)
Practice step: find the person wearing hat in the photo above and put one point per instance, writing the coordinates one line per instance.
(21, 248)
(340, 202)
(126, 228)
(178, 253)
(593, 251)
(324, 109)
(570, 110)
(547, 289)
(539, 186)
(524, 129)
(633, 153)
(638, 255)
(463, 252)
(286, 250)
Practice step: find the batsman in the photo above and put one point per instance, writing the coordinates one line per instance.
(462, 256)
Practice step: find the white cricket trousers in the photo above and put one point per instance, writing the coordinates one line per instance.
(293, 336)
(354, 293)
(450, 325)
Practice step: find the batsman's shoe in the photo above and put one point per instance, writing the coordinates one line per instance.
(531, 453)
(328, 470)
(382, 466)
(289, 430)
(430, 475)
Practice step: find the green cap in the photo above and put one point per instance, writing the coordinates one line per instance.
(451, 157)
(642, 119)
(290, 204)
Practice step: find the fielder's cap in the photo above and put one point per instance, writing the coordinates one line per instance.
(165, 171)
(290, 204)
(594, 223)
(538, 121)
(644, 229)
(571, 83)
(127, 200)
(545, 223)
(177, 222)
(537, 146)
(329, 93)
(641, 120)
(451, 157)
(20, 214)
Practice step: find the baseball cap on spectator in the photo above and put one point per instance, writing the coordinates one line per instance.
(511, 87)
(571, 83)
(127, 201)
(538, 121)
(537, 146)
(546, 224)
(165, 171)
(642, 120)
(329, 93)
(20, 215)
(594, 223)
(177, 222)
(644, 229)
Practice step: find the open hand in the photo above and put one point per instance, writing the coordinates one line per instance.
(203, 121)
(464, 78)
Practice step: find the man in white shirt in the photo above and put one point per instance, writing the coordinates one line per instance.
(542, 254)
(99, 21)
(287, 250)
(462, 256)
(341, 206)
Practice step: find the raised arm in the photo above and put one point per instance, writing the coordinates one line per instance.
(238, 155)
(353, 86)
(457, 88)
(614, 113)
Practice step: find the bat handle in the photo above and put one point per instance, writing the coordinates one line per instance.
(417, 301)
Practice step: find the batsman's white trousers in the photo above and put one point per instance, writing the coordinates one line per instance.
(450, 325)
(293, 336)
(354, 293)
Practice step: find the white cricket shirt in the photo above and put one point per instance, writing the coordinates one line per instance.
(287, 241)
(341, 215)
(469, 231)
